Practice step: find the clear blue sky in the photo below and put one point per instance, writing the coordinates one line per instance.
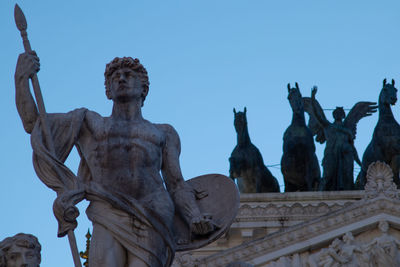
(204, 58)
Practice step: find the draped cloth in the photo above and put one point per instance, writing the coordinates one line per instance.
(139, 227)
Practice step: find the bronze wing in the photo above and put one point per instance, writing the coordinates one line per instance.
(315, 127)
(360, 110)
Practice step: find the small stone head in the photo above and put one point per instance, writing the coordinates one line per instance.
(335, 243)
(132, 64)
(348, 237)
(388, 94)
(383, 226)
(295, 98)
(21, 250)
(339, 114)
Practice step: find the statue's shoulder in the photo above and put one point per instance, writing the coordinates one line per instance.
(167, 129)
(92, 121)
(170, 134)
(91, 115)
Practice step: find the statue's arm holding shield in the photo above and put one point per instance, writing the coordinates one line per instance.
(181, 192)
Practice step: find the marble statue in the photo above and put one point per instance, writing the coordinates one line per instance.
(20, 250)
(129, 171)
(239, 264)
(246, 162)
(299, 163)
(383, 251)
(340, 153)
(385, 143)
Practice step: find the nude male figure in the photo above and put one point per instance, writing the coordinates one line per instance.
(121, 159)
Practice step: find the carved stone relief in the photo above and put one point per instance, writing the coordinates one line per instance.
(382, 251)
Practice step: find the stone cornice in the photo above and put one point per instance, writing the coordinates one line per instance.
(305, 231)
(380, 199)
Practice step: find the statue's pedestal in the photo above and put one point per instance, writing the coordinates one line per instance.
(299, 229)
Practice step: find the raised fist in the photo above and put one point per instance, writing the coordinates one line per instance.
(27, 65)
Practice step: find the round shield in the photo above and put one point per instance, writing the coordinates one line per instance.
(217, 196)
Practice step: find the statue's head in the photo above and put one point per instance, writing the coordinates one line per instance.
(348, 237)
(20, 250)
(335, 243)
(339, 114)
(295, 98)
(383, 226)
(388, 94)
(130, 64)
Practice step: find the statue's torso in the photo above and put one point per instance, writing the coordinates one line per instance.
(123, 156)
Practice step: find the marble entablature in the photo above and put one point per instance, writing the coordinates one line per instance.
(298, 229)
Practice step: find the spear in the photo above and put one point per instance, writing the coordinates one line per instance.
(22, 25)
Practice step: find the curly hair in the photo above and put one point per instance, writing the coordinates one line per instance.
(126, 62)
(21, 240)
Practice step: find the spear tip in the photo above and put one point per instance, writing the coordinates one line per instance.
(19, 17)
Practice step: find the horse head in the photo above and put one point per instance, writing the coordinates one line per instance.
(388, 95)
(240, 120)
(295, 99)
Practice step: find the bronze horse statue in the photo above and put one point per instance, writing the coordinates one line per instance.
(299, 163)
(385, 143)
(246, 162)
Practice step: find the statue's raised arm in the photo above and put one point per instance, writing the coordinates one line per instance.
(317, 120)
(27, 66)
(137, 221)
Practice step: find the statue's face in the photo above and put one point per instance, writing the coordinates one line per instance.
(125, 85)
(339, 114)
(383, 226)
(21, 257)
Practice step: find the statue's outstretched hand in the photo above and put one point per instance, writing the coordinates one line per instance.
(28, 64)
(202, 225)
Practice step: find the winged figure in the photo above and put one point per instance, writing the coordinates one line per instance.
(340, 153)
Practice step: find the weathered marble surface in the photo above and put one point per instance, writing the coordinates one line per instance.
(129, 172)
(356, 223)
(21, 250)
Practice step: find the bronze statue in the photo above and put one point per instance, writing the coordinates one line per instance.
(299, 164)
(246, 162)
(20, 250)
(385, 143)
(340, 153)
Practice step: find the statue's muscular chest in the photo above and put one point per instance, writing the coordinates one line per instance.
(120, 145)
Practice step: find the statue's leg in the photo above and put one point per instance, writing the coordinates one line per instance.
(135, 261)
(105, 251)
